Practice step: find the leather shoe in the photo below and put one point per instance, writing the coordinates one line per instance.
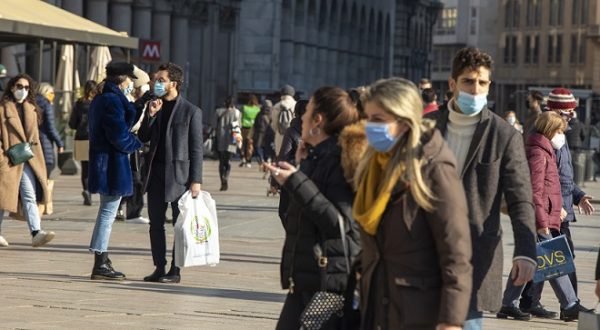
(572, 314)
(170, 279)
(538, 310)
(513, 313)
(156, 275)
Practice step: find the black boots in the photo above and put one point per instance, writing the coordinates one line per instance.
(572, 314)
(103, 269)
(224, 185)
(156, 275)
(87, 198)
(173, 276)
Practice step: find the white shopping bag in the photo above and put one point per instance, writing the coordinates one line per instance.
(197, 231)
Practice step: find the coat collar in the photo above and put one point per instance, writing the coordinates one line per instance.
(478, 137)
(25, 130)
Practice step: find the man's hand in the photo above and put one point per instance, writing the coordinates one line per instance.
(585, 207)
(444, 326)
(61, 150)
(195, 188)
(522, 272)
(155, 107)
(544, 231)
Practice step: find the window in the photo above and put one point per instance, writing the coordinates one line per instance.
(511, 14)
(550, 49)
(582, 48)
(561, 11)
(447, 22)
(516, 14)
(513, 50)
(534, 12)
(536, 49)
(556, 12)
(507, 50)
(558, 55)
(574, 47)
(473, 24)
(510, 49)
(576, 12)
(584, 11)
(527, 49)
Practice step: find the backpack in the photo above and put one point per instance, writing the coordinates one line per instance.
(285, 118)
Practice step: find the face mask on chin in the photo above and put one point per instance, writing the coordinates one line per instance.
(470, 104)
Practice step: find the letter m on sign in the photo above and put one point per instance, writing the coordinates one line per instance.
(150, 50)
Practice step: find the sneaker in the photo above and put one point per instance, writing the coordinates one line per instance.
(3, 242)
(513, 313)
(140, 220)
(248, 165)
(42, 238)
(538, 310)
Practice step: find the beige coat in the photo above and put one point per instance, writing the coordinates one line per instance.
(12, 132)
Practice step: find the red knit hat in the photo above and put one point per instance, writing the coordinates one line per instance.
(561, 99)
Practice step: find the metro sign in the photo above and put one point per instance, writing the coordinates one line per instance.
(150, 50)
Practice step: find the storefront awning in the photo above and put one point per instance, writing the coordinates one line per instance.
(28, 20)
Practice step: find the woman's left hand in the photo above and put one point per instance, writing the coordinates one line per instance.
(444, 326)
(281, 173)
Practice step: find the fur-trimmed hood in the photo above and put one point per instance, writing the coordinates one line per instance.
(353, 141)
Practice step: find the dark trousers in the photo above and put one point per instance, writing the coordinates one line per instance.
(289, 319)
(135, 202)
(84, 174)
(224, 165)
(157, 209)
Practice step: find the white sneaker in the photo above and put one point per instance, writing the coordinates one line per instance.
(42, 238)
(140, 220)
(248, 165)
(3, 242)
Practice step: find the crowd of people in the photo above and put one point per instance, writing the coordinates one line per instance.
(387, 199)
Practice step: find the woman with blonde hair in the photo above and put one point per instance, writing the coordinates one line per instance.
(412, 211)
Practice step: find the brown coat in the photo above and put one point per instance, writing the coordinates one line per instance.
(12, 132)
(416, 271)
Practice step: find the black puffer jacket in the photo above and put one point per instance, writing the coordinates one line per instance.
(319, 194)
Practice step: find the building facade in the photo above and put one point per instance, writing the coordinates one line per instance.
(545, 44)
(462, 23)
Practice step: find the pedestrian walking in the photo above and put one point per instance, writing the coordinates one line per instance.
(264, 134)
(249, 113)
(547, 200)
(412, 211)
(111, 117)
(23, 178)
(79, 122)
(227, 123)
(511, 119)
(48, 134)
(534, 106)
(491, 163)
(313, 257)
(282, 115)
(429, 96)
(173, 126)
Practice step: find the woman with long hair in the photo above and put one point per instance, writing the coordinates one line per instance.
(20, 178)
(412, 211)
(227, 123)
(79, 122)
(48, 134)
(315, 256)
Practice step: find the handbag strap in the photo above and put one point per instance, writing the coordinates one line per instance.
(323, 261)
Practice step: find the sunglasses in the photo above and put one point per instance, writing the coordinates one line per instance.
(19, 86)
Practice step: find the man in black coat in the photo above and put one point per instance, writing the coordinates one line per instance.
(491, 162)
(174, 128)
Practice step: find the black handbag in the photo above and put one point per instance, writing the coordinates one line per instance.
(323, 305)
(20, 153)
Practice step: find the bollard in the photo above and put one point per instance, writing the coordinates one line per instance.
(578, 158)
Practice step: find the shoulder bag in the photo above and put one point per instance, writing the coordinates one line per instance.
(20, 153)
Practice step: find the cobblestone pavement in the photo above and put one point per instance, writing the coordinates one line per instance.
(49, 287)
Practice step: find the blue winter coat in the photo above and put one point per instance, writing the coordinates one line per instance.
(48, 133)
(571, 193)
(110, 119)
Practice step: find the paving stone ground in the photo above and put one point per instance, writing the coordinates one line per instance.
(49, 287)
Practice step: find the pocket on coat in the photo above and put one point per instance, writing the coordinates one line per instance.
(416, 304)
(488, 176)
(182, 171)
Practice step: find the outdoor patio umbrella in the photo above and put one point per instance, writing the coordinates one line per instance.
(98, 60)
(67, 83)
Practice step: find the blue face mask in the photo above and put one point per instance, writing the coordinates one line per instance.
(160, 89)
(378, 136)
(471, 104)
(128, 89)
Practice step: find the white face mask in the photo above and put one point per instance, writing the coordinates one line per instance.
(20, 94)
(511, 120)
(558, 141)
(144, 88)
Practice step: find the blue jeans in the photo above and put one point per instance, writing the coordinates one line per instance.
(28, 200)
(104, 220)
(474, 320)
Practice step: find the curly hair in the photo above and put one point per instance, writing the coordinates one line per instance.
(175, 73)
(470, 58)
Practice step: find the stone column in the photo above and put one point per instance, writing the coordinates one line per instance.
(180, 38)
(120, 15)
(74, 6)
(161, 28)
(97, 11)
(142, 19)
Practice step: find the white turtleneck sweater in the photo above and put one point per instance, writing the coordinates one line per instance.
(459, 135)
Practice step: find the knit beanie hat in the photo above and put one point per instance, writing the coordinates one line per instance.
(288, 90)
(561, 99)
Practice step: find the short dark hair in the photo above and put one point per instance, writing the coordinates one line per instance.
(537, 95)
(300, 108)
(471, 59)
(428, 95)
(175, 73)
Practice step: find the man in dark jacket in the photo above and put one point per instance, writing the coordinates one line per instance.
(491, 162)
(173, 126)
(534, 104)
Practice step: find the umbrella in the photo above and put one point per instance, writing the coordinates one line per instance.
(66, 82)
(99, 59)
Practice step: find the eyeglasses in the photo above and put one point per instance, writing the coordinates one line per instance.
(19, 86)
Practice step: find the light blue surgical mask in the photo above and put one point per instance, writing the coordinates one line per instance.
(128, 89)
(379, 137)
(159, 89)
(471, 104)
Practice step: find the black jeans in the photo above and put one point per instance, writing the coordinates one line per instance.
(84, 174)
(224, 165)
(157, 209)
(292, 309)
(135, 202)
